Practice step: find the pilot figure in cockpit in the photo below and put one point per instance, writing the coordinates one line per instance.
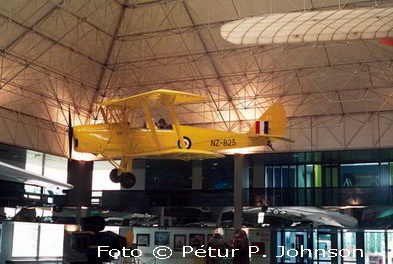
(162, 124)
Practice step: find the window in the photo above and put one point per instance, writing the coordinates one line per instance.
(218, 174)
(374, 246)
(56, 168)
(28, 236)
(25, 240)
(168, 174)
(51, 240)
(34, 161)
(349, 243)
(101, 180)
(360, 175)
(390, 247)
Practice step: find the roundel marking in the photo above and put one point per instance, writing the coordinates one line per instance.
(187, 141)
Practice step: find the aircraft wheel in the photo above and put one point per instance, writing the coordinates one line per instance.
(114, 176)
(127, 180)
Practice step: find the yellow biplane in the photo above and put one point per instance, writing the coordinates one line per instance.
(116, 138)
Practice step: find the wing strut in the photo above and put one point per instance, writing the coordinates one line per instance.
(151, 125)
(176, 124)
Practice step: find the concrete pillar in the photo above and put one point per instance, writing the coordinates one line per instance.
(80, 174)
(197, 166)
(360, 245)
(241, 182)
(335, 243)
(162, 216)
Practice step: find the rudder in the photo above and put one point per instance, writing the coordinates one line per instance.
(272, 122)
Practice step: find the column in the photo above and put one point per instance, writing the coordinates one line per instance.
(80, 174)
(241, 181)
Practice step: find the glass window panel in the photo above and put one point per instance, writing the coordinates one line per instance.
(335, 175)
(56, 168)
(375, 247)
(309, 176)
(390, 247)
(318, 175)
(292, 176)
(360, 175)
(349, 243)
(51, 240)
(327, 177)
(269, 176)
(384, 174)
(34, 161)
(301, 176)
(294, 241)
(285, 176)
(24, 243)
(277, 177)
(279, 243)
(217, 174)
(101, 179)
(322, 241)
(32, 189)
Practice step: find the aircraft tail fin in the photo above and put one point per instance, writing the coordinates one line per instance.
(273, 122)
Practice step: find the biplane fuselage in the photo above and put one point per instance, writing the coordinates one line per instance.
(115, 141)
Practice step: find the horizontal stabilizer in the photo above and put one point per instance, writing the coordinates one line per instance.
(281, 138)
(278, 137)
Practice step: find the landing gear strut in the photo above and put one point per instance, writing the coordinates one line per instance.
(126, 179)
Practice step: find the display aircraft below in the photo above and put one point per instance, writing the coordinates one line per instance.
(12, 173)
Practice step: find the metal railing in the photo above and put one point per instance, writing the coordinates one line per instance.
(324, 196)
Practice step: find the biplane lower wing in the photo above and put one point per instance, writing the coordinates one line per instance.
(182, 154)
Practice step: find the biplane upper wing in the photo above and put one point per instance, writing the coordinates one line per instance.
(314, 26)
(182, 154)
(153, 98)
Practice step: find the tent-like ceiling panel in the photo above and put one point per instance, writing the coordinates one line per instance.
(58, 54)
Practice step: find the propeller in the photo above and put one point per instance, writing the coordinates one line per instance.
(70, 134)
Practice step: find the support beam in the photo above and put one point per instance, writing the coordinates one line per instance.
(80, 174)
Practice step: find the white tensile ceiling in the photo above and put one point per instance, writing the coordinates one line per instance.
(68, 54)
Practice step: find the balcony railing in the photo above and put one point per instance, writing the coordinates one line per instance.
(252, 197)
